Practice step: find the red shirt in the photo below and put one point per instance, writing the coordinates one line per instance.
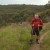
(36, 23)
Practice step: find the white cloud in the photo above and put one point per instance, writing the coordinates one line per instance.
(45, 1)
(38, 2)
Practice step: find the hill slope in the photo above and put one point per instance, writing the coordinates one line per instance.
(21, 13)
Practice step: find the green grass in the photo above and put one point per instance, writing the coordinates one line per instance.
(46, 43)
(16, 37)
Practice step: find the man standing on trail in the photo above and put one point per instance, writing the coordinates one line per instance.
(36, 25)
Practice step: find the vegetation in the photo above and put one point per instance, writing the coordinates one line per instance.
(46, 41)
(45, 15)
(21, 13)
(16, 37)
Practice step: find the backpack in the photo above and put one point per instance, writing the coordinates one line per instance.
(40, 28)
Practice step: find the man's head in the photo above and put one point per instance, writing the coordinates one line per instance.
(36, 16)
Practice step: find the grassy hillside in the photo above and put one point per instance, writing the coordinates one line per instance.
(21, 13)
(16, 36)
(46, 41)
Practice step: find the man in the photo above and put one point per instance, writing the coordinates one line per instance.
(36, 24)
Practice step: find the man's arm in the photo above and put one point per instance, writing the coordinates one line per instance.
(31, 23)
(41, 23)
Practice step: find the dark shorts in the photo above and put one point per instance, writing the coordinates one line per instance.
(35, 32)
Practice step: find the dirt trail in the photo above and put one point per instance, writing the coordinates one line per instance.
(37, 46)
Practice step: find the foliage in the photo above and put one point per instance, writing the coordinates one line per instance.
(21, 13)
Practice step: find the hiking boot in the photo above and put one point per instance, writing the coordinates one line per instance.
(37, 41)
(31, 41)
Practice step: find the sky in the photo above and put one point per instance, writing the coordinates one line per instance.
(34, 2)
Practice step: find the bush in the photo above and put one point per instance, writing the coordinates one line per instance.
(44, 20)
